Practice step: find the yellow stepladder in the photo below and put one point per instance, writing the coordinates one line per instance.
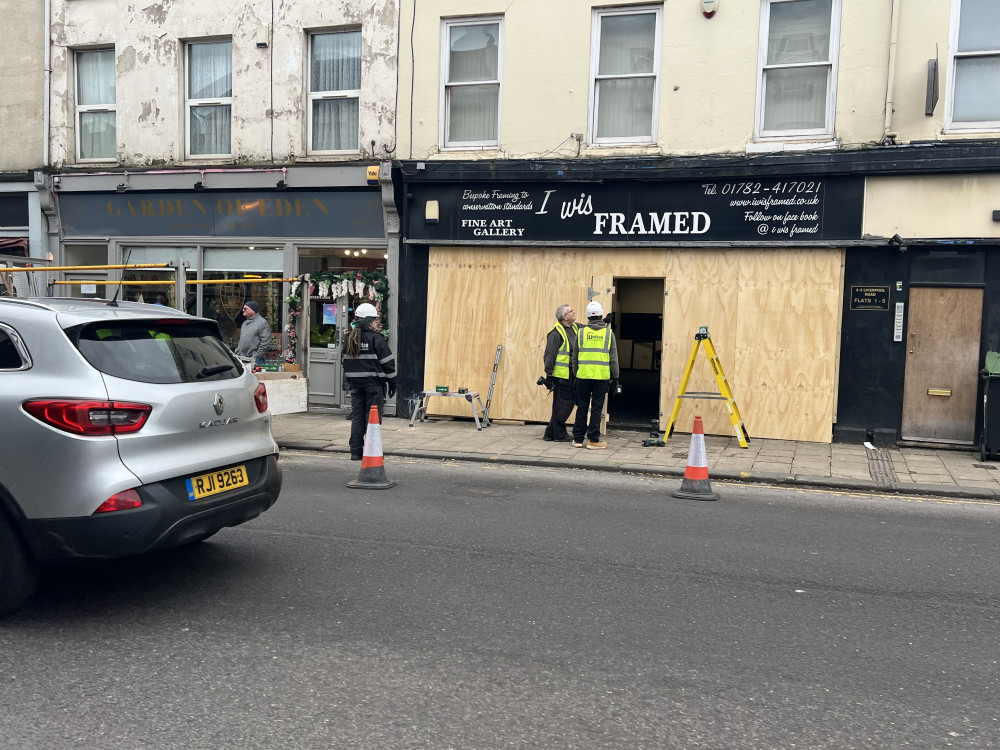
(725, 392)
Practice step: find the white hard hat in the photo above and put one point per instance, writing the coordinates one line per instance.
(594, 310)
(366, 310)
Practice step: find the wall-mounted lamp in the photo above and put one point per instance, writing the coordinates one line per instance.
(122, 187)
(199, 185)
(281, 185)
(708, 7)
(431, 212)
(896, 240)
(57, 182)
(347, 252)
(996, 216)
(263, 36)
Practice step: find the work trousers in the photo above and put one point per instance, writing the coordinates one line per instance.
(562, 405)
(362, 399)
(590, 395)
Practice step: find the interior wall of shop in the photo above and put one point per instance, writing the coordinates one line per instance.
(773, 314)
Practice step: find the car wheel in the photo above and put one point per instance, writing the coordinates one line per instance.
(18, 570)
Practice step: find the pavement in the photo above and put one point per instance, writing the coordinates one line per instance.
(840, 466)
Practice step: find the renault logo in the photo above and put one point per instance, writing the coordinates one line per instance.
(219, 404)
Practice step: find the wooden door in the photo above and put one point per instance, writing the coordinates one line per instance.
(942, 364)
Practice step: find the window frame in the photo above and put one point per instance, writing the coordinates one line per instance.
(951, 125)
(190, 103)
(833, 66)
(344, 94)
(597, 17)
(81, 109)
(444, 115)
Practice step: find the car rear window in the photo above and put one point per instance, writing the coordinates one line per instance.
(157, 351)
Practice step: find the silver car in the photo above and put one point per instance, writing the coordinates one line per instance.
(124, 428)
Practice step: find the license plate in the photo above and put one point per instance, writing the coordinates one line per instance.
(223, 480)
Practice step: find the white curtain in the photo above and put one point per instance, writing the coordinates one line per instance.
(474, 58)
(336, 68)
(625, 103)
(977, 79)
(210, 76)
(95, 86)
(798, 34)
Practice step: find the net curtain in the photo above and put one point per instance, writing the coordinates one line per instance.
(473, 107)
(625, 103)
(95, 75)
(799, 34)
(336, 67)
(210, 76)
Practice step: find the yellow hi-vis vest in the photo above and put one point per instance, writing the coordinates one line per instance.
(561, 367)
(594, 354)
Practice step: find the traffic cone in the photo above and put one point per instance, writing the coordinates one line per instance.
(372, 475)
(695, 485)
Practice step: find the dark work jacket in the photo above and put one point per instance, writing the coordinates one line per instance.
(375, 365)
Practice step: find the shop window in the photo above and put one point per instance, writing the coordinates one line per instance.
(473, 56)
(209, 98)
(96, 130)
(975, 66)
(334, 91)
(799, 42)
(625, 75)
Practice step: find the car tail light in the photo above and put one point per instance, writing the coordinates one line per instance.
(86, 417)
(260, 396)
(122, 501)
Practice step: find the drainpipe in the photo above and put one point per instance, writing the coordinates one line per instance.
(889, 137)
(47, 86)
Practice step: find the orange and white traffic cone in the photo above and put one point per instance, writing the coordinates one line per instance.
(695, 485)
(372, 475)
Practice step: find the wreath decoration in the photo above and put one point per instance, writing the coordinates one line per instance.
(372, 286)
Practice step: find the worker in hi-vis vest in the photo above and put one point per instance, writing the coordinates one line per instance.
(560, 345)
(595, 365)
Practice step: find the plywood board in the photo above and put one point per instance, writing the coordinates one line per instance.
(773, 315)
(465, 323)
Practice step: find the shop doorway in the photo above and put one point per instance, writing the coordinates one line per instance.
(638, 329)
(942, 370)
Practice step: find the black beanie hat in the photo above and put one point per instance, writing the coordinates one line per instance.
(253, 306)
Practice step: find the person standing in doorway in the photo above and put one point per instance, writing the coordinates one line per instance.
(255, 334)
(368, 366)
(595, 365)
(560, 346)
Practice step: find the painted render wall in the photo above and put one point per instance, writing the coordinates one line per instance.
(708, 83)
(149, 43)
(932, 206)
(22, 85)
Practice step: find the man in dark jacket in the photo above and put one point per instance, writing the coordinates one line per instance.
(560, 346)
(368, 366)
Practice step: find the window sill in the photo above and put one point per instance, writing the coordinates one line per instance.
(772, 147)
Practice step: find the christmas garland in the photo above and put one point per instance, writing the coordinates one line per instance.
(371, 286)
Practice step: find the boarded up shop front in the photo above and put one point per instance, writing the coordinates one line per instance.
(759, 262)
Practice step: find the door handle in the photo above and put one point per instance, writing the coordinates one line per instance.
(939, 391)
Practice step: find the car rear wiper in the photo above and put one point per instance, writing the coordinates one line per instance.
(207, 372)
